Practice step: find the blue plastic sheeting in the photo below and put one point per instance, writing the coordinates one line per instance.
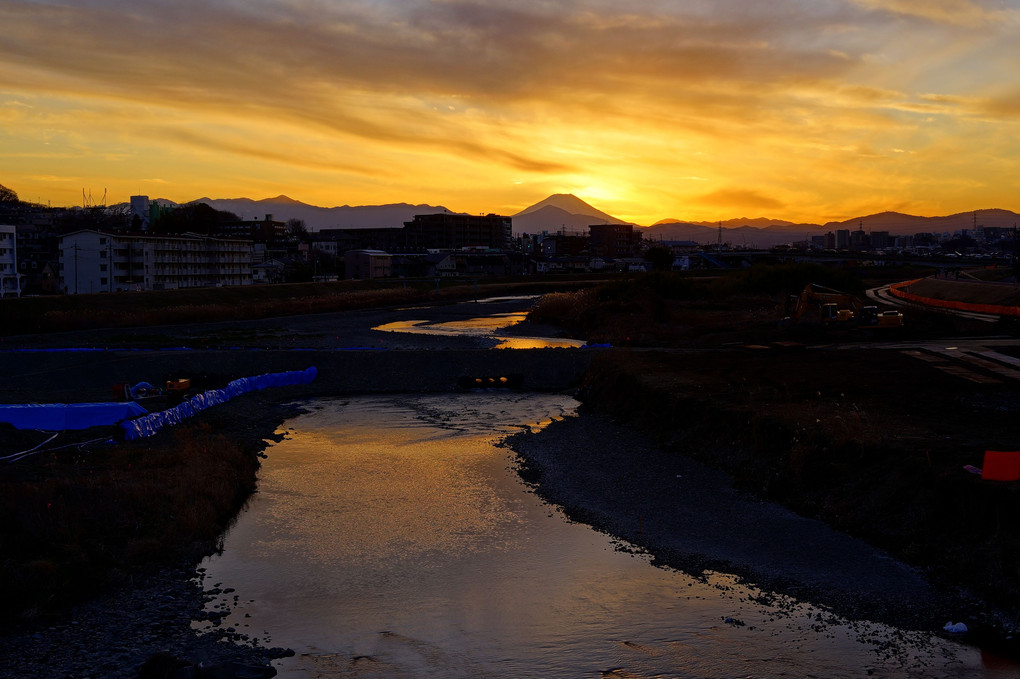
(62, 416)
(153, 422)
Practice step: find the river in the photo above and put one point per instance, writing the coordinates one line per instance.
(392, 537)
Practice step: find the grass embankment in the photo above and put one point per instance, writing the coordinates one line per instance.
(871, 441)
(73, 522)
(197, 305)
(671, 309)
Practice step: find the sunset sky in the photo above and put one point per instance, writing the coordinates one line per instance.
(807, 110)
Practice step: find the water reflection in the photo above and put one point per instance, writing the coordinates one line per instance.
(538, 343)
(487, 326)
(391, 538)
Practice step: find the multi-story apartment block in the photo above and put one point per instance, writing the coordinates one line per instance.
(260, 230)
(10, 278)
(442, 231)
(613, 240)
(843, 239)
(448, 231)
(96, 261)
(879, 240)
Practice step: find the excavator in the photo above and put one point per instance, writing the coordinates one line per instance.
(839, 309)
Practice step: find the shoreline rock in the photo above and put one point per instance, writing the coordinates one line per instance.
(111, 636)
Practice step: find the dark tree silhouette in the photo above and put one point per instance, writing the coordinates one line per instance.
(296, 229)
(959, 244)
(660, 257)
(8, 195)
(100, 217)
(200, 218)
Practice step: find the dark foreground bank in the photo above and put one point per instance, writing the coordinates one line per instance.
(128, 595)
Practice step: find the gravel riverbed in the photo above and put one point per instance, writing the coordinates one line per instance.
(112, 636)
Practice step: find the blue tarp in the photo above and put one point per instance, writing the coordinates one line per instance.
(61, 416)
(153, 422)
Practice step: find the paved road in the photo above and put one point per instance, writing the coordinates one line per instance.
(882, 295)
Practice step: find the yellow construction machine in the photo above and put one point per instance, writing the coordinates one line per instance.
(834, 306)
(839, 309)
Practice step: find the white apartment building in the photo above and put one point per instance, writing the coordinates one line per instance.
(10, 279)
(95, 261)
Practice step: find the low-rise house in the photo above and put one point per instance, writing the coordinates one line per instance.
(440, 265)
(269, 271)
(490, 263)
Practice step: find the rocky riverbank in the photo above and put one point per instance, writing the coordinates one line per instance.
(114, 635)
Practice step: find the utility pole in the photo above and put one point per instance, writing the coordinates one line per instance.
(1016, 256)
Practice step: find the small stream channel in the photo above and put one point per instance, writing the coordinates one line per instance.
(392, 537)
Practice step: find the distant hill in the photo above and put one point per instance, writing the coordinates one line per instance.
(900, 224)
(759, 222)
(315, 218)
(564, 211)
(762, 232)
(743, 235)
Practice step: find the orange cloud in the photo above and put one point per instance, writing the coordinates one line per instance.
(741, 199)
(475, 97)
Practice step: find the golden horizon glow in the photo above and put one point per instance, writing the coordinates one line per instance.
(803, 110)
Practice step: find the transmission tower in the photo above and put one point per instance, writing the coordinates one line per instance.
(88, 202)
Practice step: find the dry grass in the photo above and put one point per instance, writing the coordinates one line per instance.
(68, 522)
(142, 309)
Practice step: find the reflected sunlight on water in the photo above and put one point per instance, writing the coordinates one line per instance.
(472, 326)
(392, 538)
(487, 326)
(538, 343)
